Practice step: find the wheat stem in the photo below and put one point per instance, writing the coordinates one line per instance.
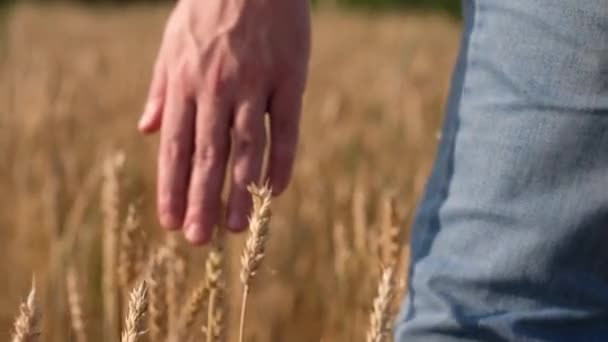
(243, 313)
(110, 202)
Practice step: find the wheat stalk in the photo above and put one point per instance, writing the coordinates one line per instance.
(255, 245)
(157, 306)
(27, 323)
(214, 276)
(380, 316)
(75, 305)
(110, 202)
(137, 307)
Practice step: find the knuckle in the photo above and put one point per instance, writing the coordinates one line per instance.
(208, 154)
(249, 142)
(175, 152)
(183, 74)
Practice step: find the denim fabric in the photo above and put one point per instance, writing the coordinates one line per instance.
(510, 242)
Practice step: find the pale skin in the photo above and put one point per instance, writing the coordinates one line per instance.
(222, 65)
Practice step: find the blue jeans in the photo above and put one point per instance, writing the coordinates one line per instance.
(510, 242)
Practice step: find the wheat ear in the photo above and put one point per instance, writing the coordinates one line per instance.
(27, 323)
(390, 231)
(175, 282)
(214, 276)
(128, 249)
(157, 306)
(380, 316)
(255, 245)
(137, 307)
(192, 307)
(75, 305)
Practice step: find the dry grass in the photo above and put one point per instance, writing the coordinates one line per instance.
(73, 84)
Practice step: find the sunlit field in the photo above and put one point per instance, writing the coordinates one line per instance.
(72, 164)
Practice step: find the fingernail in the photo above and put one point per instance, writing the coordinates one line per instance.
(195, 234)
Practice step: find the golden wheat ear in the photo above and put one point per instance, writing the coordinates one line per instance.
(175, 282)
(157, 304)
(127, 271)
(259, 224)
(136, 311)
(27, 324)
(380, 317)
(215, 283)
(192, 307)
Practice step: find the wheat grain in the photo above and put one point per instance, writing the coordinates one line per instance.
(75, 305)
(253, 253)
(27, 323)
(380, 316)
(137, 307)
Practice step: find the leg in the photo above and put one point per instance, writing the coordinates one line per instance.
(511, 240)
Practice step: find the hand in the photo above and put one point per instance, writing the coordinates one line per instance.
(222, 66)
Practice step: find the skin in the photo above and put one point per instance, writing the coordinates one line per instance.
(222, 66)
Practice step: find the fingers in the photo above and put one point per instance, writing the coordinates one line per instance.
(249, 140)
(209, 165)
(285, 110)
(151, 118)
(175, 152)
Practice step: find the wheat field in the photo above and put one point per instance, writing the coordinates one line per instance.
(77, 210)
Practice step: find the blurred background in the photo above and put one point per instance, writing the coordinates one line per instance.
(74, 76)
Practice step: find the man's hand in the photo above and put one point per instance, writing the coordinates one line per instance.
(222, 65)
